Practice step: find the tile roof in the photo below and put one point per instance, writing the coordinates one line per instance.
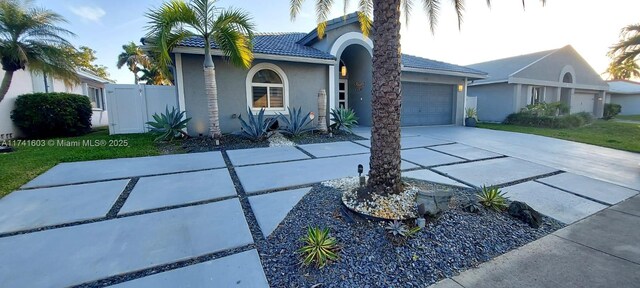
(284, 44)
(501, 69)
(424, 63)
(624, 87)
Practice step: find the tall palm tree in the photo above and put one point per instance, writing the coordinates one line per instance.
(384, 164)
(30, 38)
(155, 76)
(628, 48)
(133, 57)
(230, 29)
(624, 71)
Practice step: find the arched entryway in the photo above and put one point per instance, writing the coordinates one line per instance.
(566, 92)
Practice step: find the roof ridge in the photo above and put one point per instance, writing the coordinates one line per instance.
(277, 33)
(624, 80)
(518, 56)
(536, 61)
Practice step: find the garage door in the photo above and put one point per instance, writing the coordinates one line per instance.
(582, 102)
(426, 104)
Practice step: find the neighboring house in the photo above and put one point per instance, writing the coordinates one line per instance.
(627, 94)
(547, 76)
(291, 68)
(25, 82)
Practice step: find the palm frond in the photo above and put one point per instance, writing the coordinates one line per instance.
(233, 33)
(432, 8)
(407, 5)
(365, 12)
(323, 8)
(459, 7)
(295, 8)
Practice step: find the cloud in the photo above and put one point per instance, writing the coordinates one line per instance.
(89, 13)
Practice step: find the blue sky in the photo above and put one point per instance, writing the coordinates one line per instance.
(504, 30)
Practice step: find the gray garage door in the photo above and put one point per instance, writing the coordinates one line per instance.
(426, 104)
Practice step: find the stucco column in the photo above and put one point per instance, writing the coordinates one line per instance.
(599, 104)
(518, 99)
(332, 88)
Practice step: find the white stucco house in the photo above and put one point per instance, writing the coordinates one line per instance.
(546, 76)
(625, 93)
(24, 82)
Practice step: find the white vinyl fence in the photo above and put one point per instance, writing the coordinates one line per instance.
(130, 106)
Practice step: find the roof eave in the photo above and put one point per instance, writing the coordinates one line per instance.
(264, 56)
(470, 76)
(331, 25)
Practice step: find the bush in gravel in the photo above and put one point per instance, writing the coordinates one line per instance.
(492, 198)
(258, 127)
(611, 110)
(344, 119)
(44, 115)
(169, 125)
(319, 248)
(295, 124)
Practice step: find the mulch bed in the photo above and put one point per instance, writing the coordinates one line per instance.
(370, 257)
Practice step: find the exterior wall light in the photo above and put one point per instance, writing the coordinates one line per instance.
(343, 71)
(460, 87)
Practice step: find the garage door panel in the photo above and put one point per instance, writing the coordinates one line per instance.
(582, 102)
(427, 104)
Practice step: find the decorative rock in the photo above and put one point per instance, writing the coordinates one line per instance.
(421, 222)
(434, 202)
(471, 207)
(525, 213)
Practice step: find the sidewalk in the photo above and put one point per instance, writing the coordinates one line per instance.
(602, 250)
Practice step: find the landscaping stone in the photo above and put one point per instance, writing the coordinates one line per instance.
(466, 152)
(428, 175)
(426, 157)
(98, 250)
(495, 171)
(77, 172)
(413, 142)
(237, 270)
(265, 155)
(270, 209)
(334, 149)
(29, 209)
(177, 189)
(560, 205)
(434, 202)
(525, 213)
(283, 175)
(589, 187)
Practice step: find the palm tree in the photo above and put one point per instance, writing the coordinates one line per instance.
(384, 164)
(230, 29)
(628, 48)
(30, 38)
(133, 57)
(154, 76)
(624, 71)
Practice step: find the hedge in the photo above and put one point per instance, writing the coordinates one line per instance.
(45, 115)
(611, 110)
(567, 121)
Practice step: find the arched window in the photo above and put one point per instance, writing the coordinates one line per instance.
(267, 87)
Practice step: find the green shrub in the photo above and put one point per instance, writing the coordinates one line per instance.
(295, 123)
(344, 119)
(169, 125)
(529, 118)
(44, 115)
(258, 127)
(319, 247)
(548, 109)
(611, 110)
(586, 117)
(492, 198)
(472, 113)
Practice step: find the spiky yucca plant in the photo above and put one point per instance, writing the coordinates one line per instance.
(319, 248)
(169, 125)
(257, 129)
(295, 124)
(344, 119)
(492, 198)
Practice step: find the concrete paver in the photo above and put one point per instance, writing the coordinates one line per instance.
(494, 171)
(176, 189)
(446, 283)
(466, 152)
(560, 205)
(238, 270)
(87, 171)
(28, 209)
(426, 157)
(408, 142)
(270, 209)
(594, 189)
(265, 155)
(97, 250)
(428, 175)
(334, 149)
(629, 206)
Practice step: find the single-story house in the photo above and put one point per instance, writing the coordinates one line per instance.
(25, 81)
(625, 93)
(547, 76)
(290, 69)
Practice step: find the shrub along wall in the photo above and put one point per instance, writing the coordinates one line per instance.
(44, 115)
(527, 118)
(611, 110)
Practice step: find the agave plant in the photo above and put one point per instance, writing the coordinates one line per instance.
(295, 124)
(319, 247)
(492, 198)
(257, 129)
(396, 228)
(344, 119)
(169, 125)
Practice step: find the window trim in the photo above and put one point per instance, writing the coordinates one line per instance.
(99, 98)
(285, 87)
(540, 95)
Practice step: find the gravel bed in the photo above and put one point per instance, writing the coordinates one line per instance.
(278, 140)
(205, 144)
(455, 241)
(319, 137)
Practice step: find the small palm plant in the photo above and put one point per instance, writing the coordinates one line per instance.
(492, 198)
(319, 247)
(295, 124)
(343, 119)
(472, 113)
(169, 125)
(257, 129)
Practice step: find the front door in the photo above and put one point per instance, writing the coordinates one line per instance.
(343, 94)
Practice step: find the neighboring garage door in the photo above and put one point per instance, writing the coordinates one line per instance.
(582, 102)
(426, 104)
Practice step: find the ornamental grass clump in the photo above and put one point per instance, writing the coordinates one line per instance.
(319, 248)
(492, 198)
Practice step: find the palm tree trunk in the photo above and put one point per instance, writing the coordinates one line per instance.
(210, 88)
(384, 164)
(6, 82)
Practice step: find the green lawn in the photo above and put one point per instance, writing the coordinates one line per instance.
(617, 135)
(29, 161)
(629, 117)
